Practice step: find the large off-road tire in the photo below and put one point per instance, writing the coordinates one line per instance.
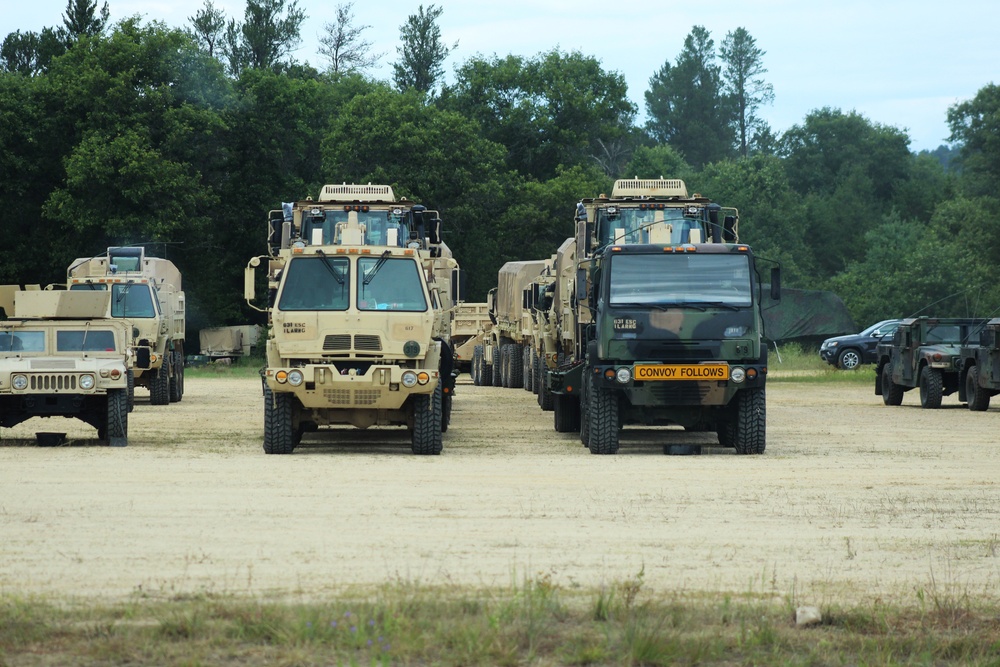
(586, 388)
(546, 399)
(445, 411)
(130, 383)
(536, 372)
(280, 437)
(931, 388)
(116, 419)
(849, 359)
(566, 413)
(497, 367)
(159, 388)
(516, 379)
(477, 365)
(979, 398)
(603, 436)
(427, 423)
(751, 422)
(892, 393)
(527, 369)
(177, 381)
(726, 430)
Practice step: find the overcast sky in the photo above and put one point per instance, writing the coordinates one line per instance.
(898, 62)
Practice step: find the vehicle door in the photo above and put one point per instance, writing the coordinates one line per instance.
(902, 367)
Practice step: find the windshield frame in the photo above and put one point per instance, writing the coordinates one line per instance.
(632, 283)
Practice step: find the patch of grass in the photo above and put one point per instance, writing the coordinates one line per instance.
(794, 362)
(249, 367)
(532, 621)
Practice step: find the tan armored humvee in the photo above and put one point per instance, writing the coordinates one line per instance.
(60, 357)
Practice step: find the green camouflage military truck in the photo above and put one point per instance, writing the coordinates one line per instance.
(981, 367)
(668, 321)
(925, 352)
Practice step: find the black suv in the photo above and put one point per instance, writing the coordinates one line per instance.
(849, 352)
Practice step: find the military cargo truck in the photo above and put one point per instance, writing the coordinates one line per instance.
(505, 344)
(146, 293)
(61, 357)
(470, 324)
(980, 379)
(359, 314)
(924, 352)
(668, 326)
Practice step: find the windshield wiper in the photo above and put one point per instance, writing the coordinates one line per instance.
(657, 305)
(370, 275)
(720, 304)
(330, 267)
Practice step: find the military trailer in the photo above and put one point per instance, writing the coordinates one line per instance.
(146, 293)
(228, 342)
(980, 379)
(360, 286)
(61, 357)
(668, 320)
(924, 352)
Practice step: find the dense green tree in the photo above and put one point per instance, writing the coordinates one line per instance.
(208, 27)
(975, 125)
(343, 45)
(30, 53)
(657, 161)
(770, 213)
(433, 156)
(269, 33)
(686, 105)
(421, 51)
(554, 109)
(82, 19)
(742, 72)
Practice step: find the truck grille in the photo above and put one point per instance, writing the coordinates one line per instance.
(680, 393)
(363, 342)
(337, 342)
(355, 397)
(52, 382)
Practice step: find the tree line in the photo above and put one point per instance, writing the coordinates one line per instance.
(184, 138)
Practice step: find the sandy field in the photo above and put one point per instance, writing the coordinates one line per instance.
(852, 500)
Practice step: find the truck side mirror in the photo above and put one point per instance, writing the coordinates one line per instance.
(249, 289)
(729, 229)
(776, 284)
(581, 285)
(434, 231)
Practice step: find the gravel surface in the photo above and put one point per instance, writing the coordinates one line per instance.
(852, 500)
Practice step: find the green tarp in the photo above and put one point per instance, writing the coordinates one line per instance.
(804, 315)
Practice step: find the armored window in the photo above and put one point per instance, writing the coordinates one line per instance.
(316, 283)
(390, 284)
(22, 341)
(132, 300)
(85, 340)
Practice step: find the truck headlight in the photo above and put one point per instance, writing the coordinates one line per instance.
(87, 382)
(19, 382)
(737, 375)
(295, 378)
(409, 379)
(423, 378)
(623, 375)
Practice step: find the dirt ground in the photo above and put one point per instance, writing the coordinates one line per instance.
(851, 500)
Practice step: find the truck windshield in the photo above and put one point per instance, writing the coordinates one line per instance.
(82, 340)
(377, 227)
(632, 225)
(127, 299)
(22, 341)
(316, 283)
(394, 285)
(676, 279)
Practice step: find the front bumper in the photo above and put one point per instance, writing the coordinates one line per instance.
(381, 387)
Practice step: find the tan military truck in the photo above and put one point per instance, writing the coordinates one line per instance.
(504, 345)
(61, 357)
(146, 293)
(359, 288)
(468, 327)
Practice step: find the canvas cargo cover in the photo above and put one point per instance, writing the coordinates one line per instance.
(511, 281)
(804, 314)
(228, 341)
